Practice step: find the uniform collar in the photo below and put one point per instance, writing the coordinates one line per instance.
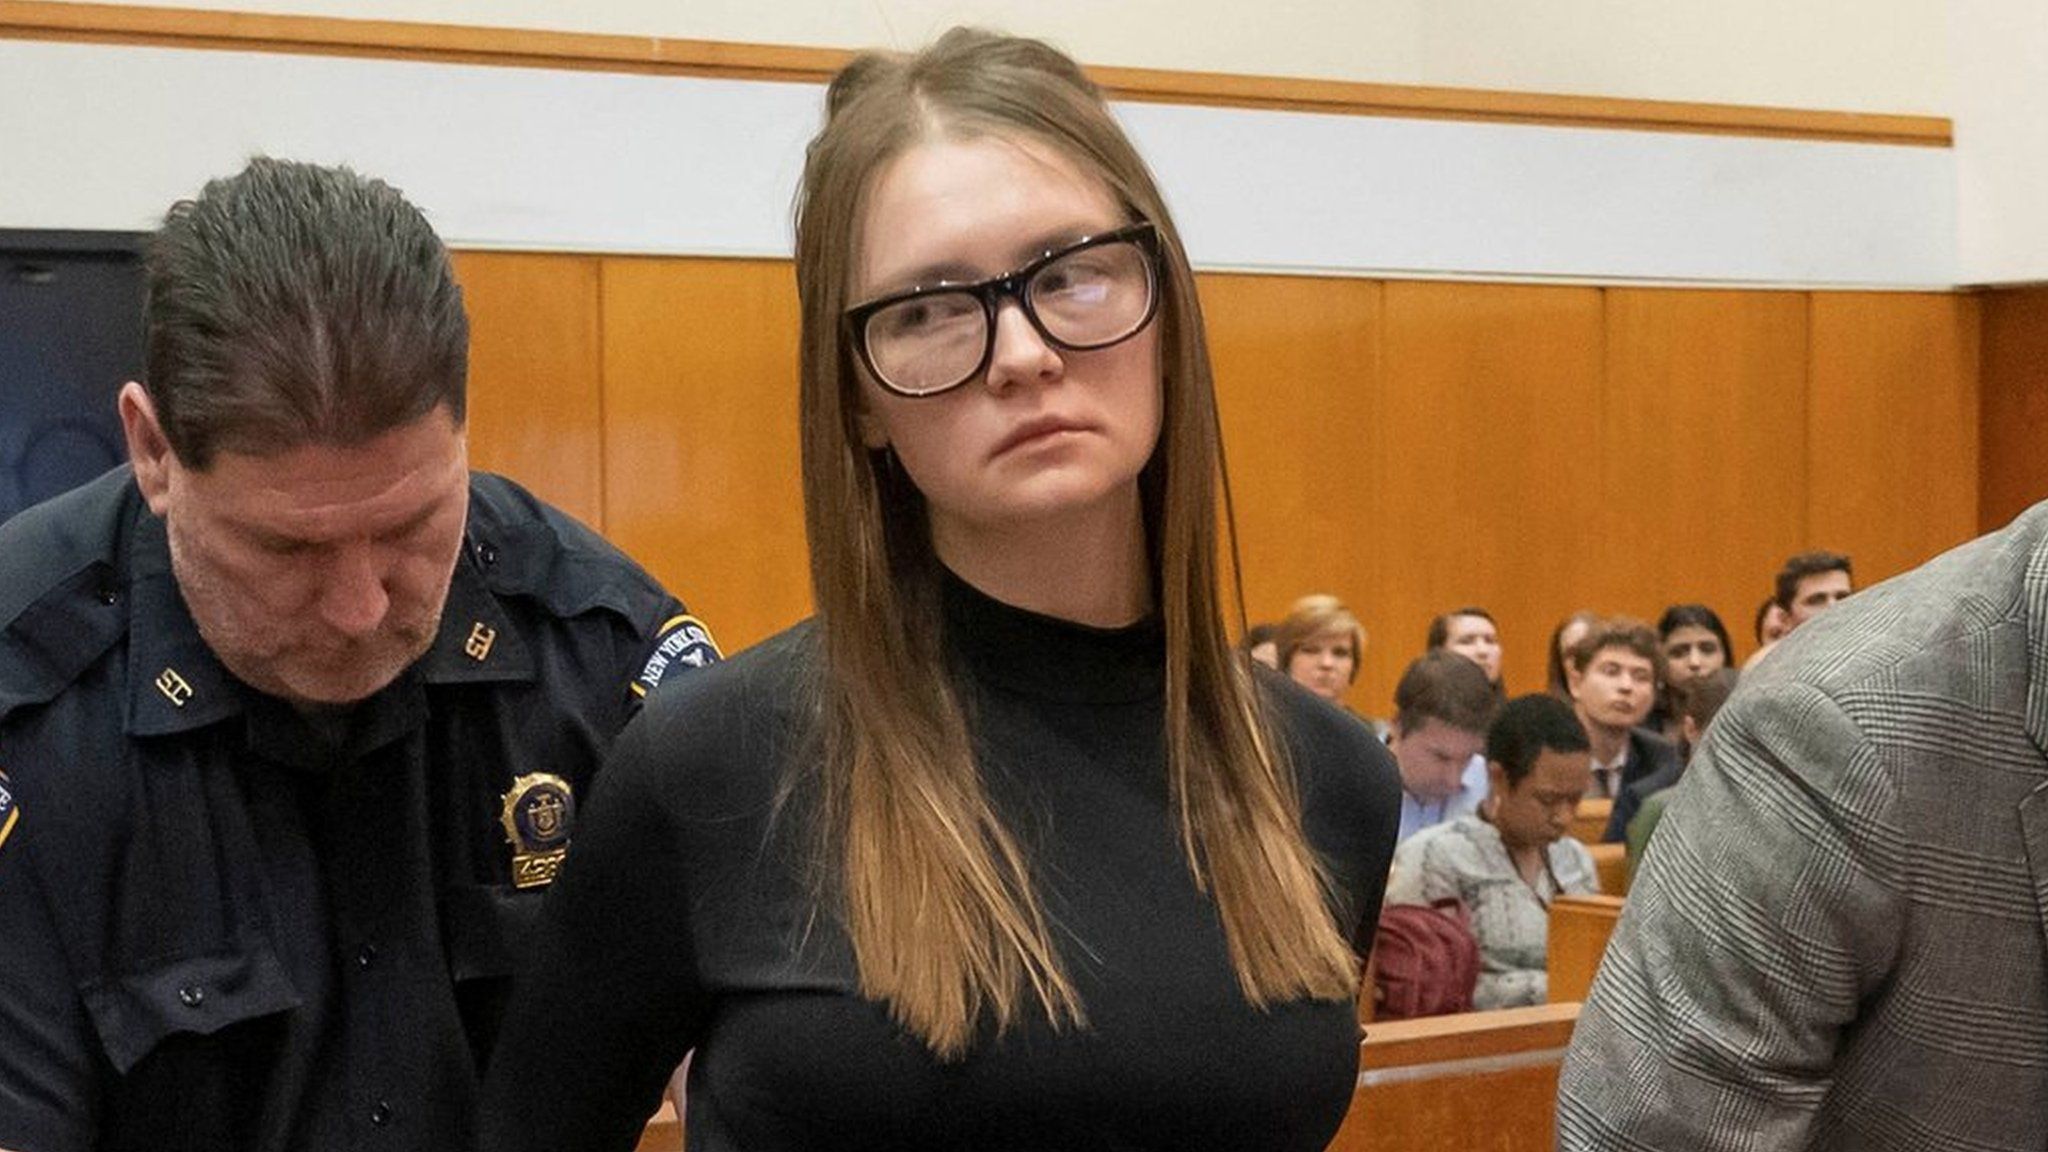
(477, 642)
(176, 683)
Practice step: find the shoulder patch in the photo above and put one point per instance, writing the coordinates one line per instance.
(10, 812)
(680, 640)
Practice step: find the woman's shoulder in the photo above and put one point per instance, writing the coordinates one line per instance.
(721, 735)
(1337, 757)
(1349, 788)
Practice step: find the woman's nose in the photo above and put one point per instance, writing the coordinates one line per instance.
(1021, 352)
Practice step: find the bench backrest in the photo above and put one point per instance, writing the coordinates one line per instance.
(1455, 1083)
(1589, 823)
(1579, 928)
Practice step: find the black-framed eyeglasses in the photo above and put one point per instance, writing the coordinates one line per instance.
(1095, 292)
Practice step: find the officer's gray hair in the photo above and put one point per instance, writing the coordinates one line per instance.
(293, 304)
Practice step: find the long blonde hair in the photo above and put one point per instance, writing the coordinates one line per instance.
(936, 894)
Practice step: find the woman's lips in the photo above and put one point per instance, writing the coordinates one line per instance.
(1034, 430)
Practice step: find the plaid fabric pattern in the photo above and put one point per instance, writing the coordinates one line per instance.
(1837, 938)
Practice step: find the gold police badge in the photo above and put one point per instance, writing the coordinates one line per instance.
(537, 815)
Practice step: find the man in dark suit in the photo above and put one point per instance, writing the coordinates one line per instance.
(1612, 676)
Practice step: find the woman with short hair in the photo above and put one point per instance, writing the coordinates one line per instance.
(1320, 645)
(1513, 857)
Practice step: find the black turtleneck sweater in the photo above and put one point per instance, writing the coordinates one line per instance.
(685, 919)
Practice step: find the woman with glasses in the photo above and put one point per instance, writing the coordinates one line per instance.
(1005, 847)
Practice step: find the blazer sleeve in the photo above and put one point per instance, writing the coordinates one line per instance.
(1748, 941)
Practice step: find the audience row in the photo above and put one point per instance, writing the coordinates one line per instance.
(1490, 790)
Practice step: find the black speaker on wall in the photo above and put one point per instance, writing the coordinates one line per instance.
(70, 335)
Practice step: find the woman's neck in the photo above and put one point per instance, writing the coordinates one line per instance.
(1088, 567)
(1528, 861)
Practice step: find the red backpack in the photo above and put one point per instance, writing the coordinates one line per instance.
(1426, 960)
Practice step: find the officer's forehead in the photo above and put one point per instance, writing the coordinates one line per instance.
(319, 489)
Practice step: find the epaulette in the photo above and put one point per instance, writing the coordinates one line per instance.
(61, 603)
(526, 548)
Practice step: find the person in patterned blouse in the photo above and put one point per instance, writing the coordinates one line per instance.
(1509, 860)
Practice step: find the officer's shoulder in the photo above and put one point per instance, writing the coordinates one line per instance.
(530, 548)
(62, 602)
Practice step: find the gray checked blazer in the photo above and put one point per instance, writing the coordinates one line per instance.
(1839, 938)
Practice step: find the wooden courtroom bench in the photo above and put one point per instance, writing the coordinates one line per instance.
(1590, 822)
(1610, 863)
(1579, 928)
(1480, 1080)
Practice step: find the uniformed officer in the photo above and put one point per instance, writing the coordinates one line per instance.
(295, 710)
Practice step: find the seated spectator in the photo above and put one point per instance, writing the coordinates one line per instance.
(1612, 678)
(1808, 585)
(1642, 804)
(1471, 633)
(1442, 708)
(1512, 858)
(1770, 622)
(1692, 643)
(1319, 646)
(1569, 632)
(1811, 583)
(1260, 645)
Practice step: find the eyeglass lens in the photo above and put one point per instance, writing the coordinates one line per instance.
(1089, 298)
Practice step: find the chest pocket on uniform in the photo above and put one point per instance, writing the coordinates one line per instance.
(200, 995)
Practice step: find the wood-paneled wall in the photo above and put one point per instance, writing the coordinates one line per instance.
(1409, 446)
(2014, 404)
(1892, 433)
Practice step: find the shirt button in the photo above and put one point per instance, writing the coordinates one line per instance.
(108, 596)
(487, 554)
(381, 1114)
(192, 995)
(367, 956)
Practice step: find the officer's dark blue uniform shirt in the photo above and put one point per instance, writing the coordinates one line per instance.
(222, 929)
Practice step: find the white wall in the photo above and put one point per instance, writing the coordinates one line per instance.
(2000, 48)
(596, 161)
(1856, 55)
